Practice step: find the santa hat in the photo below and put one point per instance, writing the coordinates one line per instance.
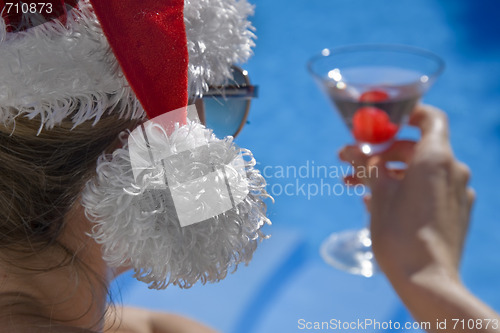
(176, 203)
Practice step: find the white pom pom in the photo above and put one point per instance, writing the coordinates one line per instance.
(138, 224)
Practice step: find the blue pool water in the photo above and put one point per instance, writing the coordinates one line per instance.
(293, 128)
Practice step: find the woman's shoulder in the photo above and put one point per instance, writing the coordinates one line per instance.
(48, 329)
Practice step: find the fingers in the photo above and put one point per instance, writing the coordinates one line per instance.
(367, 199)
(353, 155)
(370, 166)
(434, 151)
(379, 177)
(400, 151)
(462, 176)
(364, 170)
(352, 180)
(463, 172)
(432, 122)
(471, 197)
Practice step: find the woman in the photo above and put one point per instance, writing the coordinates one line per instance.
(419, 221)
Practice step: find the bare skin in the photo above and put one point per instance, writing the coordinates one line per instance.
(419, 221)
(135, 320)
(60, 301)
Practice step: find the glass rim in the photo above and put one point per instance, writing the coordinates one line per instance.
(396, 48)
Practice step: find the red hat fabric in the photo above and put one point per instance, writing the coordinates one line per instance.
(148, 38)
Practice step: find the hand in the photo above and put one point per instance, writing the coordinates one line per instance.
(419, 217)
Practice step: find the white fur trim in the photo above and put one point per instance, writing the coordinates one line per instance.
(137, 228)
(53, 72)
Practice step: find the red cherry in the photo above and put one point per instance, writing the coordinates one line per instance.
(372, 125)
(374, 96)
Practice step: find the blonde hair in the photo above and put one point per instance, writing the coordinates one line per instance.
(42, 175)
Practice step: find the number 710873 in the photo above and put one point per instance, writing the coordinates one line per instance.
(475, 324)
(25, 8)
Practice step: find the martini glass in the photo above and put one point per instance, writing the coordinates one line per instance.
(374, 88)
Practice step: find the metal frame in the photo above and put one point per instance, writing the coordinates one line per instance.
(246, 91)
